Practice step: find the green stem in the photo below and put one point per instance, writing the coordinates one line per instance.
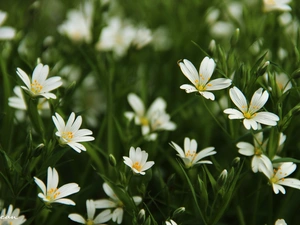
(216, 120)
(7, 127)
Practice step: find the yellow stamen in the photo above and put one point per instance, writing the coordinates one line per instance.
(68, 135)
(52, 194)
(144, 121)
(137, 166)
(36, 87)
(90, 222)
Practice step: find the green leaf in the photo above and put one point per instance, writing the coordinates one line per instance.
(286, 159)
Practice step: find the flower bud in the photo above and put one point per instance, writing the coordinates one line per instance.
(261, 70)
(112, 160)
(236, 162)
(235, 37)
(37, 151)
(222, 178)
(141, 216)
(178, 211)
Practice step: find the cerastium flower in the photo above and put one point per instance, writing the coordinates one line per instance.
(11, 217)
(39, 85)
(70, 133)
(91, 210)
(114, 203)
(189, 156)
(249, 113)
(137, 161)
(277, 177)
(201, 80)
(52, 194)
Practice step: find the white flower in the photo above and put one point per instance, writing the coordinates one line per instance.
(277, 177)
(90, 206)
(171, 222)
(201, 80)
(117, 37)
(40, 85)
(154, 119)
(249, 113)
(189, 156)
(6, 33)
(18, 101)
(142, 38)
(78, 25)
(137, 160)
(280, 222)
(276, 5)
(114, 202)
(259, 159)
(70, 133)
(52, 194)
(11, 217)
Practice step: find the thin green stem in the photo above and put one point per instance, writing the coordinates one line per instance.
(216, 120)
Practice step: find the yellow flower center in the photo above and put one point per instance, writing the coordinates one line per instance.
(36, 87)
(270, 2)
(52, 194)
(89, 222)
(248, 115)
(137, 166)
(68, 135)
(257, 151)
(144, 121)
(189, 153)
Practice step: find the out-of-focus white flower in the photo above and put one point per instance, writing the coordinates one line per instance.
(222, 29)
(161, 40)
(283, 82)
(280, 222)
(114, 203)
(52, 194)
(201, 80)
(39, 84)
(70, 133)
(276, 5)
(6, 32)
(78, 25)
(277, 177)
(117, 37)
(153, 120)
(142, 37)
(11, 217)
(18, 101)
(137, 161)
(90, 207)
(257, 150)
(189, 156)
(249, 113)
(171, 222)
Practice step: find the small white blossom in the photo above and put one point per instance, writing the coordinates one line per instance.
(78, 25)
(99, 219)
(201, 80)
(155, 119)
(115, 203)
(276, 5)
(277, 177)
(39, 84)
(6, 32)
(70, 133)
(137, 160)
(249, 113)
(11, 217)
(171, 222)
(189, 156)
(257, 150)
(280, 222)
(52, 194)
(117, 37)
